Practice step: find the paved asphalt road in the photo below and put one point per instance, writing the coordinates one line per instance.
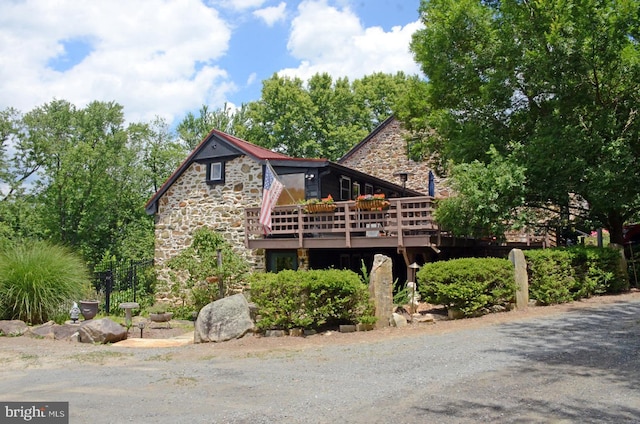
(581, 366)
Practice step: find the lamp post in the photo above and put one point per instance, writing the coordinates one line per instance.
(414, 269)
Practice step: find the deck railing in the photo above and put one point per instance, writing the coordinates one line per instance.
(405, 217)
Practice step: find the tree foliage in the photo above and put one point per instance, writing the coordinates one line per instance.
(488, 198)
(78, 177)
(553, 86)
(193, 129)
(322, 117)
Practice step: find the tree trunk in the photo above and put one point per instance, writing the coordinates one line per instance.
(615, 224)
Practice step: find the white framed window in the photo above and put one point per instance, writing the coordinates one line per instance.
(355, 190)
(215, 173)
(368, 189)
(345, 188)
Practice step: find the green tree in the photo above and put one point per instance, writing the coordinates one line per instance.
(553, 86)
(489, 198)
(322, 117)
(160, 152)
(85, 181)
(193, 129)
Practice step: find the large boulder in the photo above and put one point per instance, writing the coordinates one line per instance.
(222, 320)
(101, 331)
(53, 331)
(13, 328)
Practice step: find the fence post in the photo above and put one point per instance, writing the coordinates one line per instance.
(108, 287)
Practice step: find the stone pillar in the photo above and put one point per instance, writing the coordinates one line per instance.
(303, 259)
(522, 280)
(381, 289)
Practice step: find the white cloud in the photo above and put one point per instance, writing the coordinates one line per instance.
(328, 39)
(252, 78)
(239, 4)
(155, 57)
(271, 15)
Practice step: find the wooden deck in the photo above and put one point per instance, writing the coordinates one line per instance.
(408, 222)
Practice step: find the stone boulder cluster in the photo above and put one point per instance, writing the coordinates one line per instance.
(91, 331)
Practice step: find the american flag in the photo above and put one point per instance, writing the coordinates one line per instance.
(270, 194)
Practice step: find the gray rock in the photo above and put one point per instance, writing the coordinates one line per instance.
(420, 318)
(45, 330)
(398, 320)
(53, 331)
(222, 320)
(13, 328)
(101, 331)
(516, 256)
(274, 333)
(381, 289)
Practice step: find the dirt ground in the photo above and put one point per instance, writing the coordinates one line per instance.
(255, 344)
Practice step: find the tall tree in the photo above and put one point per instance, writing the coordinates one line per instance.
(86, 189)
(193, 129)
(554, 86)
(322, 117)
(160, 152)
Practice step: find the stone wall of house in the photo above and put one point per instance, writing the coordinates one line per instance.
(386, 154)
(190, 204)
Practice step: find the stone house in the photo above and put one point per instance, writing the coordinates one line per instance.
(220, 183)
(384, 153)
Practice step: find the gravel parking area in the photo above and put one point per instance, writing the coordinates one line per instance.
(560, 364)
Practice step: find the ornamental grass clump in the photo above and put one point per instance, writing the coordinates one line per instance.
(38, 278)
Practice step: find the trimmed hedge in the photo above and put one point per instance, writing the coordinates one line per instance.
(562, 275)
(468, 284)
(309, 299)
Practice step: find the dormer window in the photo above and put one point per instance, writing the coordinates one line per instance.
(215, 173)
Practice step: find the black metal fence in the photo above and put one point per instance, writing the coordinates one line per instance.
(124, 281)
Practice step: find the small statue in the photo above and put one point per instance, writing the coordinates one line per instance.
(413, 295)
(74, 312)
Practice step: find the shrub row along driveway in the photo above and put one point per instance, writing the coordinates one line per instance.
(578, 366)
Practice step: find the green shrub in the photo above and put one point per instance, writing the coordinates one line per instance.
(309, 299)
(468, 284)
(565, 274)
(551, 276)
(36, 278)
(199, 262)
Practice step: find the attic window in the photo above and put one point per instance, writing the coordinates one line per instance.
(215, 173)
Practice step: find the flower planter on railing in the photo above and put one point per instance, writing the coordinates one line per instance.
(372, 204)
(319, 208)
(319, 205)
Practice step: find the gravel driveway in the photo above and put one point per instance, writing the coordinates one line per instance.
(580, 366)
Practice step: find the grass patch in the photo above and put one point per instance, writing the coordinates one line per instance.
(99, 357)
(166, 357)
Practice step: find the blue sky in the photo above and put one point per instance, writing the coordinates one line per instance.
(168, 57)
